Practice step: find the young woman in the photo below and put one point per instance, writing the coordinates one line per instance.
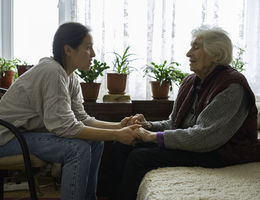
(46, 104)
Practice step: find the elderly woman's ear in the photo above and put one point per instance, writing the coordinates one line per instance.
(214, 59)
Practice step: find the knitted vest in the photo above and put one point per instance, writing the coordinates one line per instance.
(243, 146)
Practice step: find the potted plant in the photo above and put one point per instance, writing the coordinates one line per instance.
(116, 81)
(7, 72)
(23, 67)
(164, 74)
(90, 88)
(237, 62)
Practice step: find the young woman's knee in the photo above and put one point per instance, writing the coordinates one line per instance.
(78, 146)
(98, 144)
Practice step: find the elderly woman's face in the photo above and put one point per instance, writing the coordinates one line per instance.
(200, 62)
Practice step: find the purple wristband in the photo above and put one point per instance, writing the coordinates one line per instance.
(160, 139)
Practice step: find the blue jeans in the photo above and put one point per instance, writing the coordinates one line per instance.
(80, 160)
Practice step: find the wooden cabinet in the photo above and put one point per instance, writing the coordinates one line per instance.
(152, 110)
(108, 111)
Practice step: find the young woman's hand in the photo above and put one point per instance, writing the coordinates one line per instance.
(137, 119)
(129, 135)
(140, 119)
(127, 121)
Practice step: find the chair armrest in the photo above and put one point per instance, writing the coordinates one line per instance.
(3, 90)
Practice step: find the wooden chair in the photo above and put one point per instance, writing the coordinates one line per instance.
(26, 162)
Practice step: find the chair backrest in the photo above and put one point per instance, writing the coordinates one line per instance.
(2, 92)
(26, 155)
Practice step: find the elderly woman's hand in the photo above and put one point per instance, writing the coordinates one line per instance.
(127, 121)
(129, 135)
(147, 136)
(140, 119)
(137, 119)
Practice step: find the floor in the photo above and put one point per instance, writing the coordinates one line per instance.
(48, 189)
(47, 192)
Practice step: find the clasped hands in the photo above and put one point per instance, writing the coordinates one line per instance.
(138, 125)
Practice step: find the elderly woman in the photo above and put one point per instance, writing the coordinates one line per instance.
(213, 122)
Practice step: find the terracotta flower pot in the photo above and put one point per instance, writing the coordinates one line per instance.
(23, 68)
(116, 83)
(160, 91)
(6, 79)
(90, 91)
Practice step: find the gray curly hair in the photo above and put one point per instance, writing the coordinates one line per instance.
(216, 42)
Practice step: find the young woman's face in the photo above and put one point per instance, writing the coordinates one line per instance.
(83, 55)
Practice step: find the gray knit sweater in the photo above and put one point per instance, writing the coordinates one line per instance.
(214, 126)
(44, 99)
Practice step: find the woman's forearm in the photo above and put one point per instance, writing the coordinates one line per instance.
(106, 125)
(98, 134)
(127, 135)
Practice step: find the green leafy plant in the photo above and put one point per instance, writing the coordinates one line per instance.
(165, 72)
(121, 63)
(9, 65)
(237, 62)
(94, 71)
(1, 61)
(23, 63)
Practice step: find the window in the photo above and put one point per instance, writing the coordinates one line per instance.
(35, 23)
(161, 30)
(155, 30)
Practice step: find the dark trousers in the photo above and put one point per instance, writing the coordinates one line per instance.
(130, 164)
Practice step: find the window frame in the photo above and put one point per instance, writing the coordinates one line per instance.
(6, 27)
